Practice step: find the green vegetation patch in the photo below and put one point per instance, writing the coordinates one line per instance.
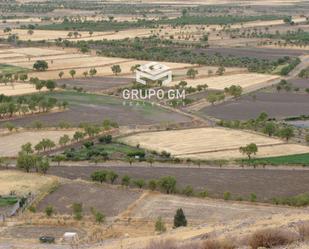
(9, 69)
(8, 201)
(299, 159)
(102, 151)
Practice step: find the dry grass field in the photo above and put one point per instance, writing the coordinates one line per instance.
(10, 144)
(248, 81)
(32, 51)
(18, 89)
(265, 151)
(23, 183)
(211, 143)
(24, 20)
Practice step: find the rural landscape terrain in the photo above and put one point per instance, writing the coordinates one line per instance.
(154, 124)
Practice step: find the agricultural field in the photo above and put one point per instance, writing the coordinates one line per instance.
(18, 89)
(249, 81)
(255, 52)
(201, 144)
(10, 144)
(301, 159)
(91, 195)
(195, 150)
(96, 84)
(22, 184)
(92, 108)
(268, 183)
(276, 105)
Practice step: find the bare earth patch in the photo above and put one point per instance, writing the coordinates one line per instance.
(107, 199)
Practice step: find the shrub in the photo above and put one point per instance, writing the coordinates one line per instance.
(99, 217)
(112, 176)
(253, 197)
(88, 144)
(297, 201)
(32, 209)
(165, 154)
(270, 237)
(226, 196)
(140, 183)
(180, 218)
(203, 193)
(107, 139)
(49, 210)
(168, 184)
(160, 225)
(77, 210)
(99, 176)
(188, 190)
(125, 181)
(152, 185)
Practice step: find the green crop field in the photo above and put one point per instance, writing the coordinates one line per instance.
(9, 69)
(7, 201)
(301, 159)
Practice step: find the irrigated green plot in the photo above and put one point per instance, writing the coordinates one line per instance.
(300, 159)
(9, 69)
(8, 201)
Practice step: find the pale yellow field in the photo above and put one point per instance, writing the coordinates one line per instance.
(10, 144)
(245, 80)
(10, 55)
(51, 35)
(23, 183)
(131, 33)
(266, 151)
(212, 143)
(75, 62)
(49, 58)
(203, 71)
(32, 51)
(18, 89)
(22, 20)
